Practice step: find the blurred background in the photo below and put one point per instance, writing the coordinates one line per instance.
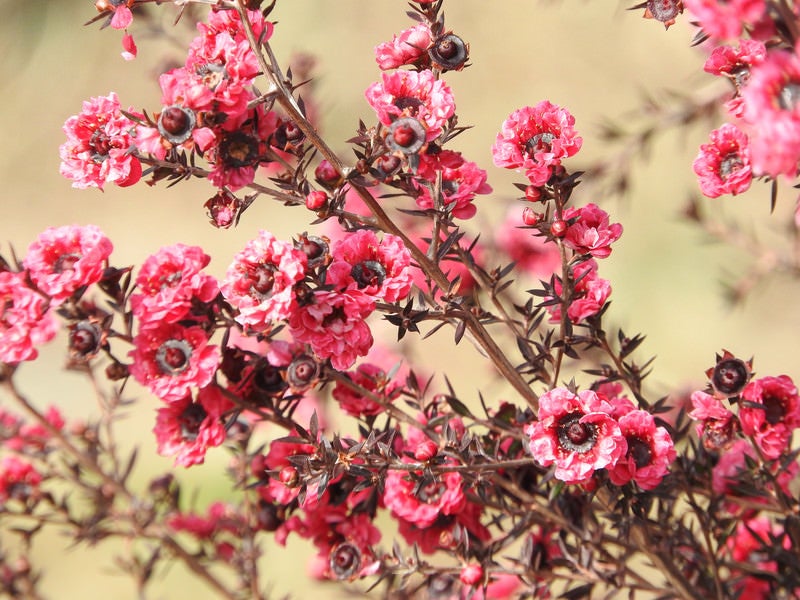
(597, 59)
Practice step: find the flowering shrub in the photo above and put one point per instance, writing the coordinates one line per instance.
(573, 484)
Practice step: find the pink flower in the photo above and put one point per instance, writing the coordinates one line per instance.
(723, 166)
(25, 321)
(590, 293)
(169, 281)
(333, 325)
(64, 259)
(97, 150)
(441, 496)
(408, 48)
(259, 282)
(378, 268)
(535, 139)
(650, 451)
(170, 360)
(533, 254)
(461, 181)
(577, 434)
(186, 429)
(18, 479)
(770, 413)
(717, 426)
(736, 62)
(748, 545)
(276, 459)
(219, 517)
(374, 379)
(415, 94)
(589, 231)
(725, 20)
(732, 466)
(771, 108)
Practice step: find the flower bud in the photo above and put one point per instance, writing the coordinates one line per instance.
(426, 450)
(471, 575)
(558, 228)
(327, 175)
(289, 477)
(533, 193)
(316, 200)
(530, 217)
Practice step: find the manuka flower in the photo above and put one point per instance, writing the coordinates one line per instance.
(377, 268)
(99, 141)
(723, 166)
(259, 282)
(576, 433)
(461, 181)
(64, 259)
(186, 429)
(536, 138)
(770, 413)
(589, 231)
(24, 319)
(589, 295)
(407, 48)
(169, 281)
(650, 451)
(170, 360)
(417, 94)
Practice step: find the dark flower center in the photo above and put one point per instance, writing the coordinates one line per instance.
(190, 421)
(368, 273)
(640, 451)
(176, 124)
(541, 142)
(406, 135)
(408, 102)
(729, 164)
(315, 248)
(574, 436)
(269, 380)
(664, 10)
(336, 315)
(239, 150)
(432, 492)
(84, 339)
(789, 95)
(774, 409)
(101, 144)
(173, 356)
(302, 371)
(730, 376)
(740, 75)
(66, 262)
(450, 187)
(345, 560)
(262, 280)
(449, 51)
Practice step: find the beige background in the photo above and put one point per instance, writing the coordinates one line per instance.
(595, 58)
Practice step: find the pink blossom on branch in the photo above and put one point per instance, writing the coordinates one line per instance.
(259, 282)
(723, 166)
(186, 429)
(770, 413)
(407, 48)
(170, 360)
(576, 433)
(169, 281)
(461, 181)
(25, 321)
(536, 138)
(589, 230)
(98, 146)
(589, 294)
(650, 451)
(63, 260)
(417, 94)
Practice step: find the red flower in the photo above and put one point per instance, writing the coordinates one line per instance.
(97, 150)
(725, 20)
(536, 139)
(577, 434)
(375, 380)
(590, 293)
(169, 281)
(24, 319)
(770, 413)
(461, 181)
(650, 451)
(186, 429)
(18, 479)
(333, 325)
(170, 360)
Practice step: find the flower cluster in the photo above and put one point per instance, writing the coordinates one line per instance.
(586, 432)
